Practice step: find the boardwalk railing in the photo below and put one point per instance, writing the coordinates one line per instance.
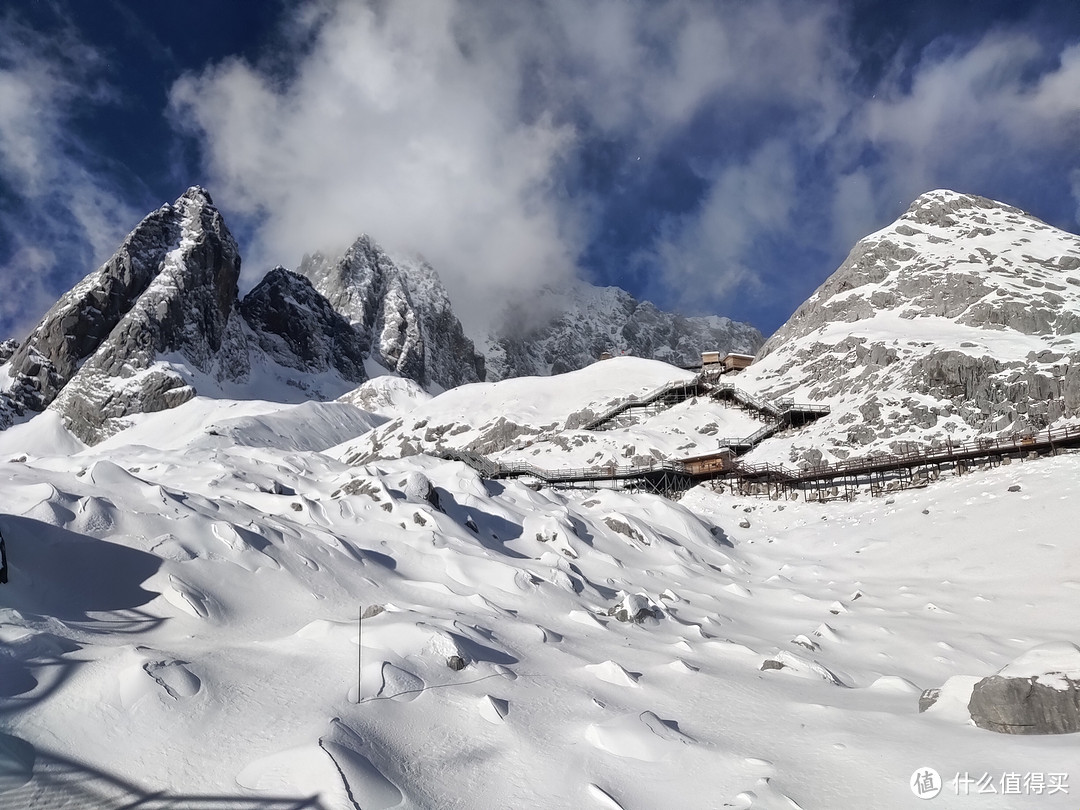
(682, 389)
(681, 476)
(783, 410)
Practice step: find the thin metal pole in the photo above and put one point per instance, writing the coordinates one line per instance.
(360, 648)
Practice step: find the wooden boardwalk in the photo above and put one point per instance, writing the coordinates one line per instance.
(881, 473)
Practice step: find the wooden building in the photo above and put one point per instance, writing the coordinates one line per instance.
(737, 362)
(713, 463)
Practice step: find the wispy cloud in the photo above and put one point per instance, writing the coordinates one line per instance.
(447, 128)
(397, 125)
(59, 211)
(998, 112)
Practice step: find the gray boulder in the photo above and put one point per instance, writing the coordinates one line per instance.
(1039, 693)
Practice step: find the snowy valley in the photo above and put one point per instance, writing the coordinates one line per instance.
(248, 567)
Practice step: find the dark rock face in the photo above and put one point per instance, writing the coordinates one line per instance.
(928, 698)
(7, 349)
(401, 312)
(298, 328)
(76, 325)
(1026, 706)
(170, 290)
(563, 331)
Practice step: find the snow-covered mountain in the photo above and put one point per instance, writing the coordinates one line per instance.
(566, 329)
(160, 321)
(961, 318)
(401, 311)
(182, 626)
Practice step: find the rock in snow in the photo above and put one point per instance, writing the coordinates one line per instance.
(1039, 693)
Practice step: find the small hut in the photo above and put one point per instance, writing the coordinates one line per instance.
(737, 362)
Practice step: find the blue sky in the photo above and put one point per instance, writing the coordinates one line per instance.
(714, 157)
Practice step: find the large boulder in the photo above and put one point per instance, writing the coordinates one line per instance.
(1038, 693)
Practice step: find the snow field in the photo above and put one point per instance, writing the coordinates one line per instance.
(183, 613)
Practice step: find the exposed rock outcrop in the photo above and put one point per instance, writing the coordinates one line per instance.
(560, 331)
(959, 319)
(76, 325)
(298, 328)
(401, 312)
(170, 291)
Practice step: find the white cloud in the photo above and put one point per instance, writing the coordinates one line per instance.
(65, 211)
(706, 256)
(442, 128)
(970, 113)
(391, 127)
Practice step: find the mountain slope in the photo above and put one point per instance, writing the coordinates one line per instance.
(160, 322)
(401, 312)
(180, 628)
(961, 318)
(564, 330)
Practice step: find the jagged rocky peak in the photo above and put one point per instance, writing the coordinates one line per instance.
(962, 317)
(401, 311)
(169, 291)
(298, 328)
(566, 329)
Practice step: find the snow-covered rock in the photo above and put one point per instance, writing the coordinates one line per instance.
(297, 327)
(1038, 693)
(566, 329)
(401, 311)
(187, 308)
(960, 318)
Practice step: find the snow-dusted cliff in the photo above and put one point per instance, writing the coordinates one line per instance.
(567, 329)
(401, 311)
(160, 321)
(960, 318)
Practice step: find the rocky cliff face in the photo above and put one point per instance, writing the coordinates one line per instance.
(401, 312)
(567, 330)
(299, 329)
(186, 310)
(961, 318)
(74, 328)
(161, 319)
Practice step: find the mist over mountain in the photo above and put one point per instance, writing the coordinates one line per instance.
(161, 321)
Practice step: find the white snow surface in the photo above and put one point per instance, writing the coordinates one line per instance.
(181, 621)
(497, 413)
